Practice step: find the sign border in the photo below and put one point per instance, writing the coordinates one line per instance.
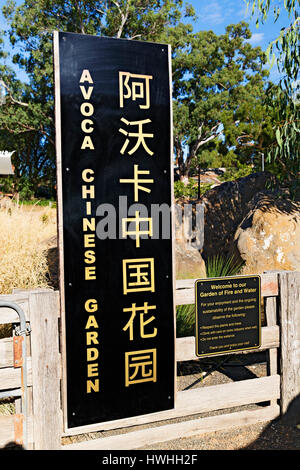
(227, 278)
(60, 236)
(62, 332)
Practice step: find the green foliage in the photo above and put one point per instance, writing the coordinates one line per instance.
(179, 189)
(219, 158)
(6, 184)
(233, 174)
(283, 151)
(208, 159)
(220, 266)
(189, 190)
(185, 320)
(205, 187)
(26, 189)
(219, 89)
(219, 83)
(27, 117)
(282, 154)
(287, 43)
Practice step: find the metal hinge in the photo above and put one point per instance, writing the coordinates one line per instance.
(19, 332)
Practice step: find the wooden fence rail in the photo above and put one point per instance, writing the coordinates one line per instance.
(280, 337)
(44, 420)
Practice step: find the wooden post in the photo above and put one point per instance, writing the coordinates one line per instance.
(46, 370)
(271, 317)
(289, 283)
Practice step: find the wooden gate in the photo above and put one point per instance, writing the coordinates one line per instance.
(280, 337)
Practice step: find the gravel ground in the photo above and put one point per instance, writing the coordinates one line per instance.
(270, 436)
(275, 435)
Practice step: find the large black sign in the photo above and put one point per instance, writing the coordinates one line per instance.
(114, 170)
(227, 314)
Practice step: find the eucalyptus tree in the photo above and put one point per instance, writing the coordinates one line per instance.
(27, 117)
(219, 86)
(283, 151)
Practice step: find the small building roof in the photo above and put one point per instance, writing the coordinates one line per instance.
(6, 167)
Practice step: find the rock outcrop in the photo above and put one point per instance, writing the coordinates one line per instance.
(268, 238)
(189, 262)
(225, 207)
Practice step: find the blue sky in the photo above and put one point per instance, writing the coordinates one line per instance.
(216, 15)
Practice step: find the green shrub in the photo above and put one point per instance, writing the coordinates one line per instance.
(190, 190)
(7, 184)
(185, 320)
(26, 189)
(205, 187)
(233, 174)
(220, 266)
(178, 189)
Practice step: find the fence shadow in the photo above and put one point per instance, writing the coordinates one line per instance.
(269, 200)
(282, 433)
(52, 262)
(12, 446)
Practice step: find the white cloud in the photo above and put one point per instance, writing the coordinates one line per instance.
(212, 14)
(256, 38)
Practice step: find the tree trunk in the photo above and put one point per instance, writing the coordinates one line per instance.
(179, 158)
(199, 191)
(187, 167)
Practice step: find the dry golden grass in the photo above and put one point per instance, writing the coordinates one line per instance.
(7, 407)
(24, 234)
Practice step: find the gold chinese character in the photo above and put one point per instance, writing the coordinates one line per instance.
(142, 86)
(140, 366)
(138, 275)
(139, 135)
(136, 181)
(143, 311)
(137, 232)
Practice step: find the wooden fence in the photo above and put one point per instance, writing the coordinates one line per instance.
(280, 337)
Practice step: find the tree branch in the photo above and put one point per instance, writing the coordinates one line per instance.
(27, 128)
(124, 16)
(135, 36)
(10, 95)
(202, 141)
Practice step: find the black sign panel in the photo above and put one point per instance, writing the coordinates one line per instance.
(227, 314)
(115, 172)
